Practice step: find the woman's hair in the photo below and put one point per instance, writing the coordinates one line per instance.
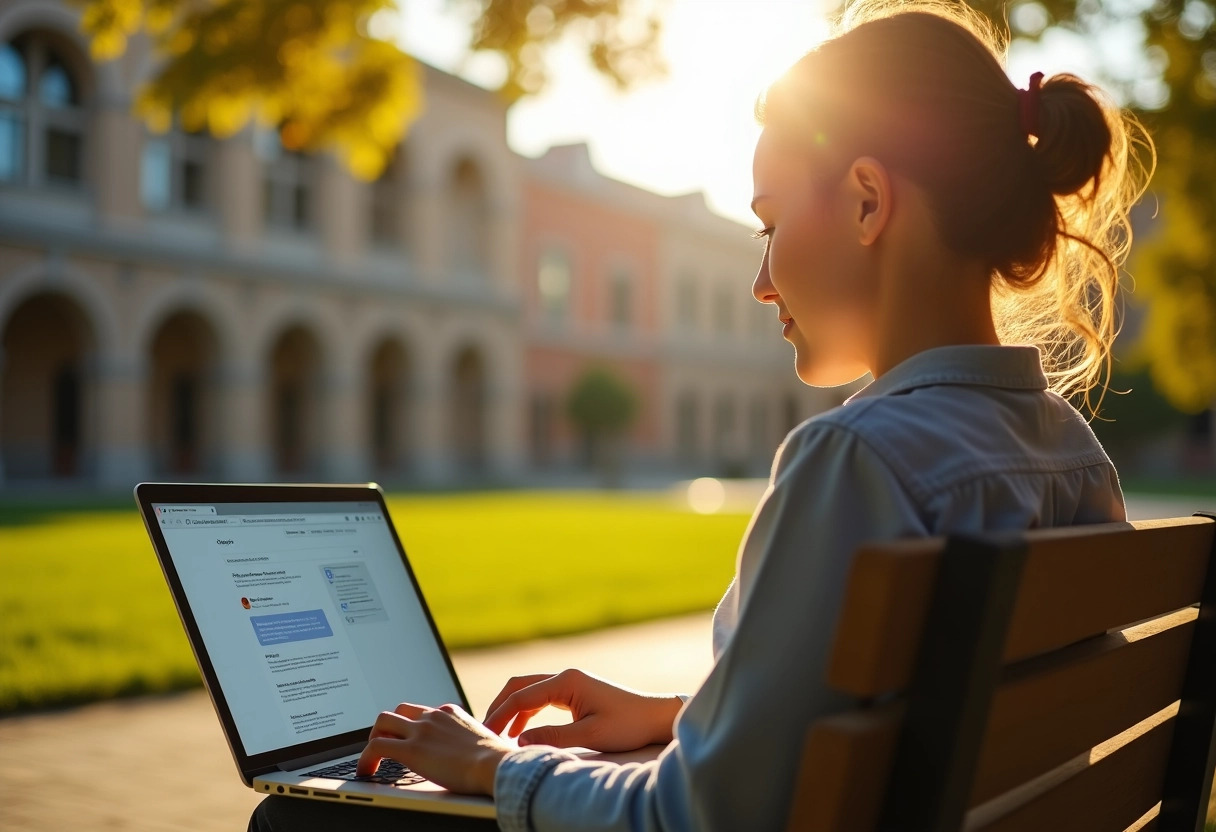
(920, 85)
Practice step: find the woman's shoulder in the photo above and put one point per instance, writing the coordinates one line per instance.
(937, 435)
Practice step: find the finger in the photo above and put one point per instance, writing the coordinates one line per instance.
(411, 711)
(376, 750)
(520, 722)
(579, 733)
(513, 684)
(391, 724)
(551, 691)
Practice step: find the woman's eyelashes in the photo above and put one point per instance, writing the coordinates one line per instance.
(765, 234)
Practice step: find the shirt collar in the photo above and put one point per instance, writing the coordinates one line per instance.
(1013, 368)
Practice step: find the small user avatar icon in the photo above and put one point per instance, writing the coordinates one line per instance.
(245, 603)
(330, 575)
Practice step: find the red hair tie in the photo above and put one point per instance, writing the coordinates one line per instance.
(1028, 106)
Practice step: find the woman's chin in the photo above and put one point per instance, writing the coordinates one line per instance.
(827, 374)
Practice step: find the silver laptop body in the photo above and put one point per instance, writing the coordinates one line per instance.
(306, 621)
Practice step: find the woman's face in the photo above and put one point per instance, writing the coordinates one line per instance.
(814, 269)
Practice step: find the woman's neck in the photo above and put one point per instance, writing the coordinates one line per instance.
(935, 299)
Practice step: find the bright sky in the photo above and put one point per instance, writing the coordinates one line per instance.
(692, 130)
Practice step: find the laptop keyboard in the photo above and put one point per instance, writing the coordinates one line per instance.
(391, 773)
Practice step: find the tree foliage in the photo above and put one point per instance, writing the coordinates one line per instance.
(622, 46)
(314, 70)
(1174, 263)
(601, 404)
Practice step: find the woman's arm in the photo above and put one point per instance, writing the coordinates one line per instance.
(739, 739)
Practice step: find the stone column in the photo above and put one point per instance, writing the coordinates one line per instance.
(238, 181)
(243, 437)
(115, 159)
(341, 210)
(120, 391)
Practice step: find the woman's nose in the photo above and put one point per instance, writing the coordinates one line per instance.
(762, 286)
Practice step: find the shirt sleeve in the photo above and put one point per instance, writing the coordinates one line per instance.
(738, 741)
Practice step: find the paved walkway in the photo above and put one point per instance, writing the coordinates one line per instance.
(122, 765)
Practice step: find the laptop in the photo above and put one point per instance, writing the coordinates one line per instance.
(306, 621)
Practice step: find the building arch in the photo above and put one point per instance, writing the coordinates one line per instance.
(48, 364)
(443, 152)
(294, 390)
(23, 15)
(49, 276)
(183, 393)
(318, 318)
(177, 298)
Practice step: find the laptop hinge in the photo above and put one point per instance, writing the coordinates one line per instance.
(321, 757)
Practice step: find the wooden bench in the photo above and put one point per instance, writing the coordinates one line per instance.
(1060, 679)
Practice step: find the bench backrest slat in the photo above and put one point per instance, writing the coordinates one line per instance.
(1077, 724)
(1048, 710)
(1045, 713)
(1110, 791)
(1076, 583)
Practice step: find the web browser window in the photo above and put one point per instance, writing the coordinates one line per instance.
(309, 616)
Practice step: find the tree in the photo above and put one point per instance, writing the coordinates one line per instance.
(315, 70)
(602, 407)
(1175, 266)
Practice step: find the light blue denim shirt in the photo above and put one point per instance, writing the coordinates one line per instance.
(955, 439)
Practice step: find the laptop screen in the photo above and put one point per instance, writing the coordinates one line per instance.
(308, 614)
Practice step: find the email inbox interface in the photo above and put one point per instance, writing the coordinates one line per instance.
(309, 617)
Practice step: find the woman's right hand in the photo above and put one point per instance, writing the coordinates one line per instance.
(606, 717)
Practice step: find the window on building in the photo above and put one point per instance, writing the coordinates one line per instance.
(12, 122)
(620, 300)
(287, 184)
(687, 299)
(554, 284)
(42, 114)
(387, 204)
(173, 172)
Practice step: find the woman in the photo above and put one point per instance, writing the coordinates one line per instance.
(959, 239)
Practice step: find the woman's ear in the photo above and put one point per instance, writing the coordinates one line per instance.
(868, 187)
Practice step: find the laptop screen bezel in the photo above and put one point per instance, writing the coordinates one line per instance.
(147, 494)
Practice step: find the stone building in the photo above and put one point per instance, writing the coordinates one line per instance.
(180, 307)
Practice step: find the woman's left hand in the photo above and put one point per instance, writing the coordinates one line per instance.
(445, 745)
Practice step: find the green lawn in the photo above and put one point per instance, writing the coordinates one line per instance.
(85, 613)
